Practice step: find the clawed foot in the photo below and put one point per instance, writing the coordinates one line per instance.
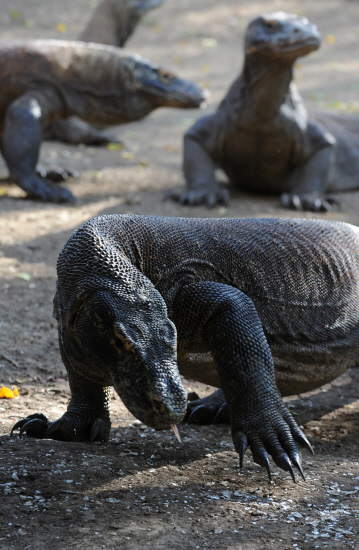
(64, 429)
(268, 433)
(208, 197)
(309, 201)
(209, 410)
(56, 174)
(272, 433)
(38, 188)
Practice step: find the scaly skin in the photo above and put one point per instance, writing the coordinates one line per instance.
(263, 137)
(257, 307)
(112, 23)
(45, 80)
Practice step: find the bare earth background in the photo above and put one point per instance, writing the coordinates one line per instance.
(143, 489)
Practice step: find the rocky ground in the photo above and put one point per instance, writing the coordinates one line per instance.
(143, 489)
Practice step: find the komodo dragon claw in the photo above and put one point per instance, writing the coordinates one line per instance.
(34, 425)
(64, 429)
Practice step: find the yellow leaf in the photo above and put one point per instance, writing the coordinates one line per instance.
(6, 393)
(330, 39)
(114, 146)
(61, 27)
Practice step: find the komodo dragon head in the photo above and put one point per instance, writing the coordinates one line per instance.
(281, 35)
(161, 87)
(123, 337)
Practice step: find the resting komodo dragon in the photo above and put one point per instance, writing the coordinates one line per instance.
(112, 23)
(44, 80)
(251, 306)
(263, 137)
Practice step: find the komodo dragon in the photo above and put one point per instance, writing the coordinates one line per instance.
(112, 23)
(44, 80)
(263, 137)
(141, 299)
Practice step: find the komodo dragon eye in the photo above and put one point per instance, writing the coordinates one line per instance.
(164, 76)
(121, 343)
(271, 24)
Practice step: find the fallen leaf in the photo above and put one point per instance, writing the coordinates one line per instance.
(114, 146)
(23, 276)
(61, 27)
(8, 393)
(127, 155)
(330, 39)
(209, 42)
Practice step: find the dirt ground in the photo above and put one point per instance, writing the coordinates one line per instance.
(143, 489)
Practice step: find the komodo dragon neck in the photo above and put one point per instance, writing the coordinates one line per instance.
(265, 85)
(111, 23)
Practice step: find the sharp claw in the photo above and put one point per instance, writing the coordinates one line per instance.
(290, 470)
(95, 431)
(267, 466)
(242, 449)
(18, 424)
(304, 441)
(298, 465)
(218, 419)
(296, 203)
(194, 411)
(326, 206)
(41, 428)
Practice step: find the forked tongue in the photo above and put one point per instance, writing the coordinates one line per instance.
(174, 428)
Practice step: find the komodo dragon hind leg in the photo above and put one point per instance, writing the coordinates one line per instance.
(87, 417)
(212, 409)
(74, 130)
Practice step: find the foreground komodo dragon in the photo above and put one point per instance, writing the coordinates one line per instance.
(112, 23)
(247, 305)
(263, 137)
(44, 80)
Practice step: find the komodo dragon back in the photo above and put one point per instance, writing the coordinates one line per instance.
(254, 304)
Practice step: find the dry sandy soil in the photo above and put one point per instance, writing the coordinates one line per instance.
(143, 489)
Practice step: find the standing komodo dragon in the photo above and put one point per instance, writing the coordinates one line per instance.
(112, 23)
(263, 137)
(44, 80)
(247, 305)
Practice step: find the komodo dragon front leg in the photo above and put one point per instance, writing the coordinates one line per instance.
(308, 182)
(199, 169)
(87, 417)
(22, 133)
(227, 320)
